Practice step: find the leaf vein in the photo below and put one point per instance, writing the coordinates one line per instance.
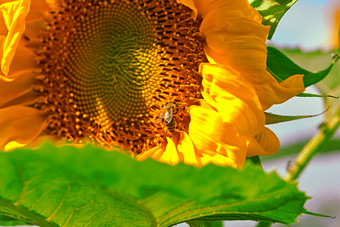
(49, 218)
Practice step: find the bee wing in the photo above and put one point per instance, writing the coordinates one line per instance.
(160, 118)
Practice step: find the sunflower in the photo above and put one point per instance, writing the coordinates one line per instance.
(172, 80)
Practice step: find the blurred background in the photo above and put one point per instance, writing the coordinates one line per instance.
(311, 26)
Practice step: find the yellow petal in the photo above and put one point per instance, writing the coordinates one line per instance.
(266, 143)
(271, 92)
(239, 42)
(221, 160)
(154, 152)
(14, 14)
(186, 150)
(22, 63)
(3, 31)
(234, 98)
(39, 10)
(18, 91)
(206, 6)
(20, 124)
(215, 139)
(13, 145)
(169, 155)
(227, 29)
(166, 153)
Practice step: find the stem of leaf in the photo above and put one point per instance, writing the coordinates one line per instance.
(315, 145)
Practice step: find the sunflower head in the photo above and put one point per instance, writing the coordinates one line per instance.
(135, 74)
(109, 68)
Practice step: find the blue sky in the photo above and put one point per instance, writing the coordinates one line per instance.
(306, 25)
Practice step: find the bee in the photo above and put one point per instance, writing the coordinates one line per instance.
(168, 115)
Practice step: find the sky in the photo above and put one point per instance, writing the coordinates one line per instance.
(306, 25)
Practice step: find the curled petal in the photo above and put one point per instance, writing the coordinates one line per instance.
(215, 140)
(226, 31)
(273, 92)
(14, 14)
(234, 40)
(265, 143)
(234, 98)
(240, 42)
(20, 125)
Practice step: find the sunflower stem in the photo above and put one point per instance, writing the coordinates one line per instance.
(315, 145)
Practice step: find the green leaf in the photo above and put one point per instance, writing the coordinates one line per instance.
(205, 224)
(282, 67)
(264, 224)
(318, 96)
(275, 118)
(59, 186)
(255, 160)
(272, 11)
(8, 221)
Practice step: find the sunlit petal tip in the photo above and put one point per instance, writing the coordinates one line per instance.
(14, 14)
(13, 145)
